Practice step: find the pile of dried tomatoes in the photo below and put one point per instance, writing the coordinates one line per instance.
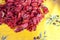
(22, 14)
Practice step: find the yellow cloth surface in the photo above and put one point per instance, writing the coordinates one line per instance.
(52, 32)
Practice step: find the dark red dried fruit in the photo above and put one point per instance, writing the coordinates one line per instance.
(22, 14)
(45, 10)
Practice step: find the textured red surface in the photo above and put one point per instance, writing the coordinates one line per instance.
(22, 14)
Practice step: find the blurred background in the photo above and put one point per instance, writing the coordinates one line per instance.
(47, 29)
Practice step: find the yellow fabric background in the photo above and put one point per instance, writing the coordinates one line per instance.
(52, 32)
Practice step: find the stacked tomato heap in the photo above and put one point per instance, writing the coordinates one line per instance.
(22, 14)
